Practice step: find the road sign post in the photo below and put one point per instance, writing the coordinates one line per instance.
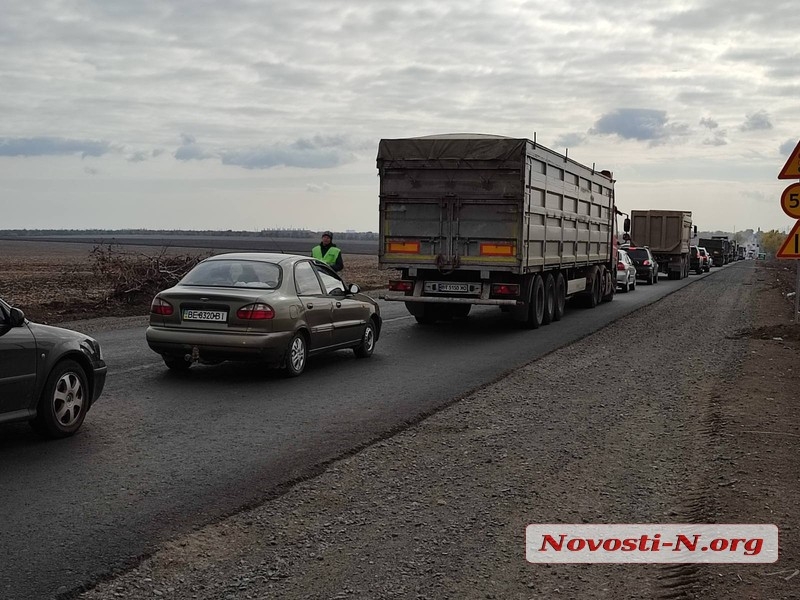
(790, 203)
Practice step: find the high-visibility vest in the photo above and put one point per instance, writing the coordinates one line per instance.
(330, 256)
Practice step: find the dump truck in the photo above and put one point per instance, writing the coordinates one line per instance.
(716, 248)
(668, 234)
(726, 247)
(472, 219)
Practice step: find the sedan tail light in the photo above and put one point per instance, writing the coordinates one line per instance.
(257, 311)
(646, 263)
(161, 307)
(620, 266)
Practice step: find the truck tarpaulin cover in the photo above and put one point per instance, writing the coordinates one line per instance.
(488, 148)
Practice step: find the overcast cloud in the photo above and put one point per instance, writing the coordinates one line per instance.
(248, 115)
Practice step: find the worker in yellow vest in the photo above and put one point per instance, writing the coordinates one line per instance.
(328, 253)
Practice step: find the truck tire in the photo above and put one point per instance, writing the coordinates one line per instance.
(425, 314)
(535, 304)
(593, 296)
(549, 299)
(560, 297)
(610, 286)
(459, 311)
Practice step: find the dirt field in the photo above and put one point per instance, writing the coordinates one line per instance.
(55, 282)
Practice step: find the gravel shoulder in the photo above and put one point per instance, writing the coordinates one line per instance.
(677, 413)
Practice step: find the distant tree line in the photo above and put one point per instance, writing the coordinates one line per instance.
(269, 233)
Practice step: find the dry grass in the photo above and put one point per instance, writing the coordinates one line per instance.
(53, 281)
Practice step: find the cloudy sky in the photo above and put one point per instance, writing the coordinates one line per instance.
(251, 114)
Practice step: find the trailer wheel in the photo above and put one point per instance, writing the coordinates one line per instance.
(549, 299)
(611, 287)
(593, 295)
(426, 318)
(427, 314)
(560, 297)
(535, 304)
(460, 311)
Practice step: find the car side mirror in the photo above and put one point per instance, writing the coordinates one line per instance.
(353, 288)
(626, 225)
(17, 317)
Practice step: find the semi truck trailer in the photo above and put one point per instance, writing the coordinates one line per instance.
(668, 234)
(471, 219)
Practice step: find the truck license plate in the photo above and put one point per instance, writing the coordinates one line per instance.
(447, 288)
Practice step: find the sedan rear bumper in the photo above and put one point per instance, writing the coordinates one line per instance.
(219, 344)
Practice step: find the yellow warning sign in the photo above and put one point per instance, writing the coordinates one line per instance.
(791, 246)
(791, 170)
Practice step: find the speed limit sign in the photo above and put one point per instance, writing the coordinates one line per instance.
(790, 201)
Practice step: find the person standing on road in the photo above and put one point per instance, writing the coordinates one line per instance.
(327, 252)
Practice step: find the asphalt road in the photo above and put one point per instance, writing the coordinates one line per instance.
(163, 453)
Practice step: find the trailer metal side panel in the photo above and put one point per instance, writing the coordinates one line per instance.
(489, 203)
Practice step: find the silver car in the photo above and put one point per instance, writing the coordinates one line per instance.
(626, 272)
(275, 308)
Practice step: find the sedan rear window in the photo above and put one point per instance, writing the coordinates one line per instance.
(638, 253)
(234, 273)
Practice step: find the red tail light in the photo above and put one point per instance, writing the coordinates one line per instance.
(505, 289)
(620, 266)
(254, 312)
(401, 286)
(646, 263)
(161, 307)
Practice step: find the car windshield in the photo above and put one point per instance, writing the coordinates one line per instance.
(234, 273)
(637, 253)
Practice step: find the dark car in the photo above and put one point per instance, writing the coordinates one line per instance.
(646, 265)
(49, 376)
(696, 260)
(275, 308)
